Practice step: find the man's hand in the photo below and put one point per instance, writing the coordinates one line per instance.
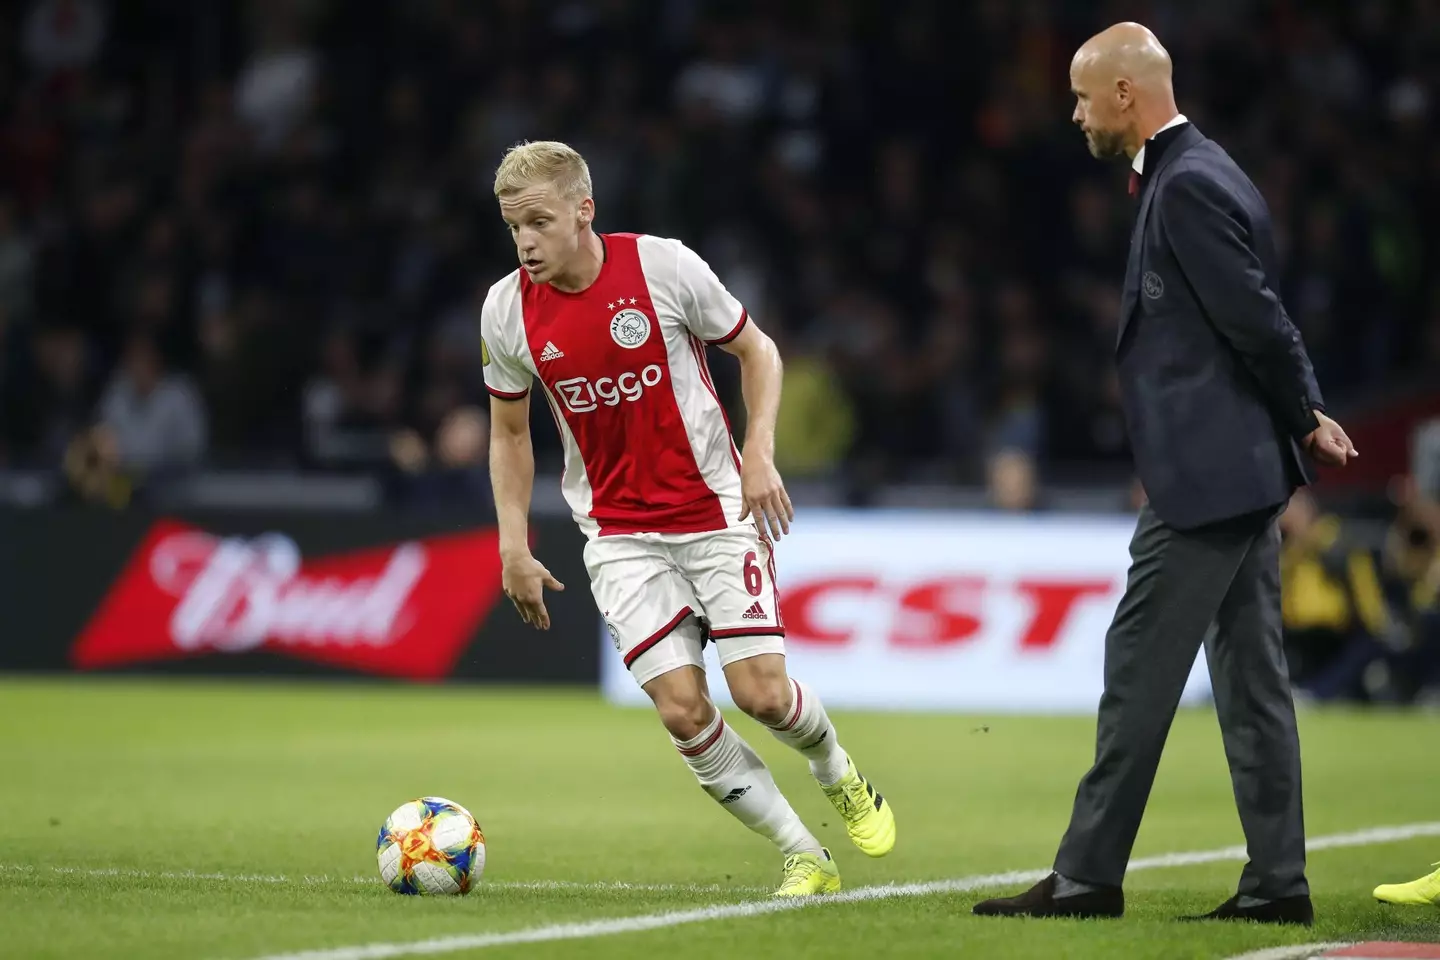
(764, 494)
(1328, 444)
(525, 579)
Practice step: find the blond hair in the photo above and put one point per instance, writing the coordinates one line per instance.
(543, 161)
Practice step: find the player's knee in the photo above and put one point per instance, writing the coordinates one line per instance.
(685, 713)
(768, 700)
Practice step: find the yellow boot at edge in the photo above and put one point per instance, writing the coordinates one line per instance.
(1416, 893)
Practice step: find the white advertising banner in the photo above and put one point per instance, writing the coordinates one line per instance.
(899, 610)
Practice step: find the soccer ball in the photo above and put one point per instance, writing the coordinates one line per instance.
(431, 846)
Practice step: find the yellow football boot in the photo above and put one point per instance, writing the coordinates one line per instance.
(1424, 892)
(807, 874)
(867, 815)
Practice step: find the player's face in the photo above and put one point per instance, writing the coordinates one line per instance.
(546, 228)
(1098, 112)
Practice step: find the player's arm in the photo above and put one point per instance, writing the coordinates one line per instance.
(512, 464)
(512, 478)
(761, 373)
(512, 471)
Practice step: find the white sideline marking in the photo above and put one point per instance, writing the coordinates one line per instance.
(1298, 951)
(616, 885)
(599, 885)
(755, 908)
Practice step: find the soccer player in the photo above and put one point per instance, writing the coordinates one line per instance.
(614, 328)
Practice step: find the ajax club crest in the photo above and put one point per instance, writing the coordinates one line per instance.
(1153, 286)
(630, 328)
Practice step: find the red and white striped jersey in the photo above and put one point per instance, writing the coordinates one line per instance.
(622, 364)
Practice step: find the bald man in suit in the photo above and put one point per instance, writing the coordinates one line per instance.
(1224, 416)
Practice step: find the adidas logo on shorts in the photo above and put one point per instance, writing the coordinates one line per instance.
(756, 612)
(551, 352)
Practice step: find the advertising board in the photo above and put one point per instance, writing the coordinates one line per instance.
(383, 595)
(897, 610)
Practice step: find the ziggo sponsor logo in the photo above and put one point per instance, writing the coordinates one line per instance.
(581, 395)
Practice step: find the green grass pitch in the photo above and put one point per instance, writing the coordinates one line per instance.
(234, 820)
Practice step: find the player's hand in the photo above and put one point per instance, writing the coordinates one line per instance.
(1328, 444)
(765, 498)
(525, 579)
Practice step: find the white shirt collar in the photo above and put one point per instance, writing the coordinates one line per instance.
(1139, 162)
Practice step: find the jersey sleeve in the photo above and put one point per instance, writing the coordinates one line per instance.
(711, 312)
(505, 375)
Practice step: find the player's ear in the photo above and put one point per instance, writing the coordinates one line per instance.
(587, 212)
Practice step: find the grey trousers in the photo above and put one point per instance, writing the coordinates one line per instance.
(1180, 582)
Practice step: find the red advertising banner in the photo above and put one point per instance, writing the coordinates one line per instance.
(403, 610)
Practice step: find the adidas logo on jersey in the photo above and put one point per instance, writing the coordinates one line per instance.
(756, 612)
(551, 352)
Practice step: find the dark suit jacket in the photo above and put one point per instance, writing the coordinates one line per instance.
(1216, 385)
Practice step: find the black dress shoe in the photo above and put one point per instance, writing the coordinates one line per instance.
(1040, 901)
(1295, 910)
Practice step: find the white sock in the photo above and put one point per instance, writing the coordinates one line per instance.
(810, 731)
(733, 773)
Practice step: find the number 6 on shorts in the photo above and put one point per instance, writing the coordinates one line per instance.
(744, 608)
(753, 582)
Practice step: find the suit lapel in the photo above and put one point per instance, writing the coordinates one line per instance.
(1131, 290)
(1185, 138)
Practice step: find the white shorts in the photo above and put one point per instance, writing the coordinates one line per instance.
(664, 596)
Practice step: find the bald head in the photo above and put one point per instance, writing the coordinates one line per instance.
(1121, 78)
(1126, 50)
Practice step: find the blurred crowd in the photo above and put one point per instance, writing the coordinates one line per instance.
(1361, 613)
(254, 232)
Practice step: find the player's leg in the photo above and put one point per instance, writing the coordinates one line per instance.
(733, 575)
(755, 674)
(793, 712)
(648, 608)
(727, 767)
